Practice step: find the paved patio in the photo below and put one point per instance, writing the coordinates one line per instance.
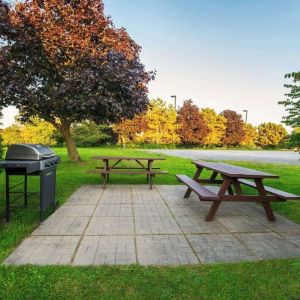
(131, 224)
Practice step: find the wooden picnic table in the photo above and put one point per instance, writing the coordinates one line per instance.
(231, 178)
(140, 169)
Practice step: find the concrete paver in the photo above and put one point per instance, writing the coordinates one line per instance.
(110, 226)
(106, 250)
(156, 225)
(61, 225)
(293, 238)
(75, 210)
(282, 225)
(44, 250)
(219, 248)
(87, 194)
(269, 245)
(151, 211)
(164, 250)
(242, 224)
(113, 210)
(129, 224)
(194, 225)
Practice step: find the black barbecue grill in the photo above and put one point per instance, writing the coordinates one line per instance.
(31, 160)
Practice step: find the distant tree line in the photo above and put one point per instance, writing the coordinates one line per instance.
(161, 125)
(191, 126)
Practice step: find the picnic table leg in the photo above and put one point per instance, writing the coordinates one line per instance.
(149, 168)
(105, 175)
(213, 176)
(266, 205)
(237, 187)
(213, 209)
(151, 181)
(196, 176)
(229, 190)
(104, 181)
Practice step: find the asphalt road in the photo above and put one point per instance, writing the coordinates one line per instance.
(281, 157)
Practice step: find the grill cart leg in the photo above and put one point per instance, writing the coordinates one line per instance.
(41, 197)
(25, 191)
(7, 197)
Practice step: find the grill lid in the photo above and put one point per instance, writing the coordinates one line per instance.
(28, 152)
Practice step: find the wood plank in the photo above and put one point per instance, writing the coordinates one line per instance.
(233, 171)
(280, 194)
(144, 172)
(249, 198)
(212, 212)
(214, 181)
(126, 158)
(195, 177)
(126, 168)
(201, 191)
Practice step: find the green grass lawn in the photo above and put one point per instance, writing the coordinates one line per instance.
(277, 279)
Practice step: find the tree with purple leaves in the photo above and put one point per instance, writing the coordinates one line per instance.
(192, 128)
(65, 62)
(234, 133)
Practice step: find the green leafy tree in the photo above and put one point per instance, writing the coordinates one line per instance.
(216, 125)
(131, 131)
(271, 135)
(12, 135)
(35, 131)
(192, 128)
(234, 133)
(250, 135)
(292, 103)
(65, 62)
(294, 138)
(90, 134)
(161, 127)
(38, 131)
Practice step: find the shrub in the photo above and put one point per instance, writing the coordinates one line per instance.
(271, 135)
(294, 139)
(36, 131)
(90, 134)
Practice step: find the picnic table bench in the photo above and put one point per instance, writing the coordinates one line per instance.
(232, 179)
(140, 169)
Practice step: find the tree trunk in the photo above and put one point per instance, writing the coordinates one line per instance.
(71, 146)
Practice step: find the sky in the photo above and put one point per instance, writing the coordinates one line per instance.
(223, 54)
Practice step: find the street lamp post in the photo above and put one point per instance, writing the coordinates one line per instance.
(246, 112)
(175, 99)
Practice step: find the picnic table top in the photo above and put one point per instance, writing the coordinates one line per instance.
(127, 158)
(233, 171)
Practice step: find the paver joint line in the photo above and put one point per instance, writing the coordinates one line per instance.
(82, 236)
(195, 253)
